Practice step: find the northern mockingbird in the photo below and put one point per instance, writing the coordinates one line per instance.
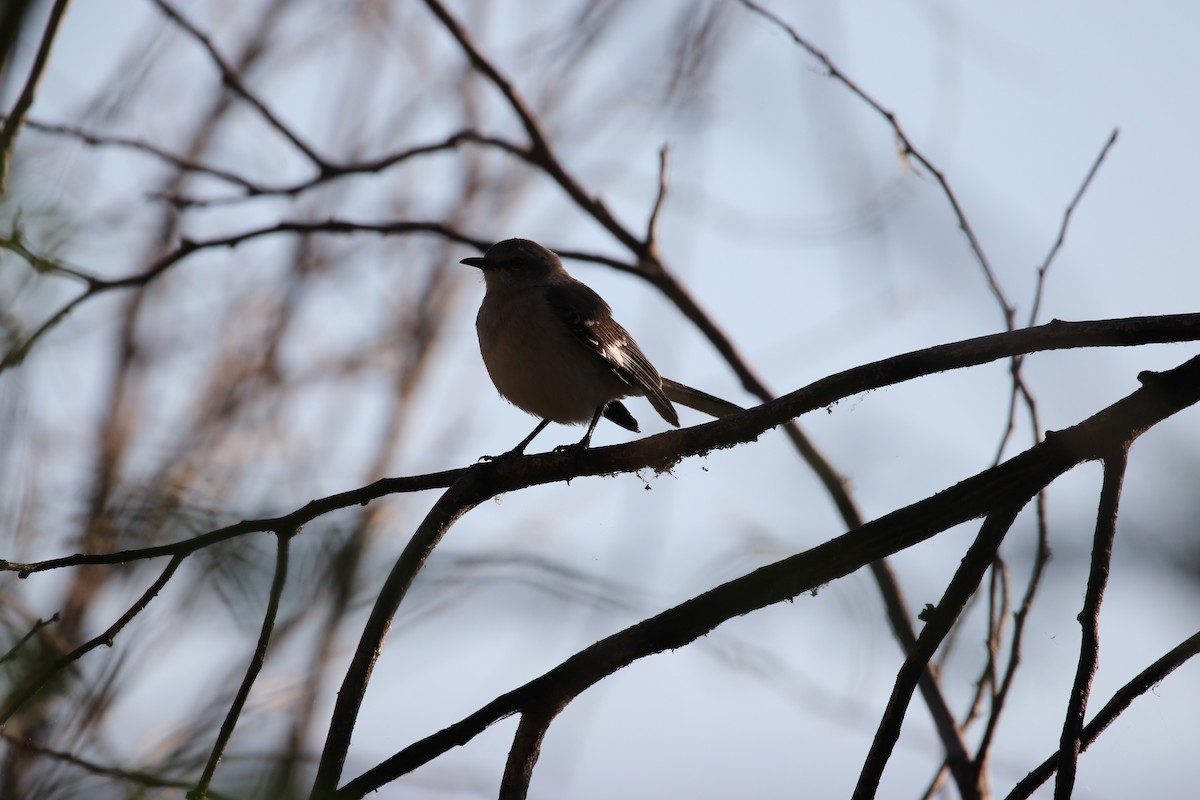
(553, 349)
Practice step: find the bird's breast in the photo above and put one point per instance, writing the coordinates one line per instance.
(538, 365)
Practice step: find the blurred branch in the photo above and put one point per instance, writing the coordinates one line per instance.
(97, 285)
(907, 148)
(37, 626)
(254, 189)
(12, 123)
(181, 163)
(282, 542)
(1121, 700)
(1089, 619)
(539, 151)
(1062, 229)
(137, 777)
(231, 79)
(994, 491)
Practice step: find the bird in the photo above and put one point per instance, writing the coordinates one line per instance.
(552, 348)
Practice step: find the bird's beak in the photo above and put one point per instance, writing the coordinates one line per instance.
(476, 261)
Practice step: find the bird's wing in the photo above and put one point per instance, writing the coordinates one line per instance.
(590, 319)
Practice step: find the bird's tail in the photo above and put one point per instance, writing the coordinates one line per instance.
(698, 400)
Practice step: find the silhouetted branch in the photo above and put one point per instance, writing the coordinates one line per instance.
(282, 542)
(996, 490)
(665, 449)
(187, 247)
(938, 622)
(47, 673)
(464, 494)
(1062, 229)
(1121, 700)
(1089, 620)
(523, 755)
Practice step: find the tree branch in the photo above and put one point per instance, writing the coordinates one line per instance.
(1071, 741)
(938, 622)
(46, 674)
(1121, 700)
(12, 123)
(988, 492)
(283, 540)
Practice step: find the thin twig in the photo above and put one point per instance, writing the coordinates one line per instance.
(1121, 700)
(652, 224)
(47, 674)
(1000, 696)
(283, 540)
(938, 622)
(230, 78)
(1062, 229)
(37, 626)
(907, 148)
(187, 247)
(138, 777)
(1071, 741)
(12, 123)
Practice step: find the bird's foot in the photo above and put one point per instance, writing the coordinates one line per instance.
(502, 457)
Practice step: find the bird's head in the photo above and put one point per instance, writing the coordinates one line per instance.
(515, 261)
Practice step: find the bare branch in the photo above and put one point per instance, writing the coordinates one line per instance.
(1062, 229)
(12, 123)
(1121, 700)
(523, 755)
(652, 225)
(1089, 619)
(137, 777)
(37, 626)
(282, 542)
(994, 491)
(907, 148)
(463, 495)
(97, 286)
(938, 622)
(230, 78)
(539, 151)
(668, 448)
(21, 696)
